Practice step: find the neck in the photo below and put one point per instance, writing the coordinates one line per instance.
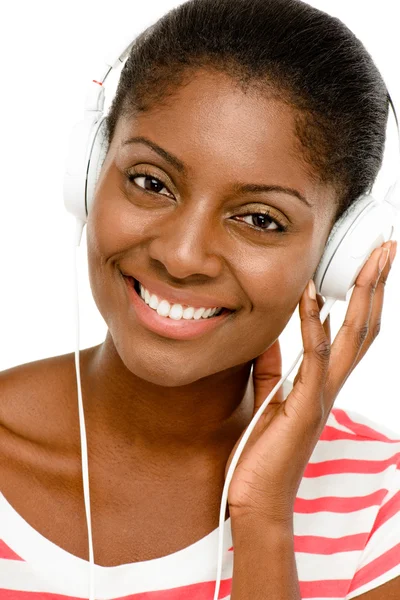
(206, 415)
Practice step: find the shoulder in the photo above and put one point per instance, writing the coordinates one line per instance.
(33, 396)
(347, 508)
(355, 461)
(362, 426)
(353, 443)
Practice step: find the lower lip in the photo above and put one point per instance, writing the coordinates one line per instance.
(184, 329)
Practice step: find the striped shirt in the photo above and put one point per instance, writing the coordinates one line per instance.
(346, 528)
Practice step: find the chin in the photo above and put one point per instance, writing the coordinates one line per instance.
(164, 370)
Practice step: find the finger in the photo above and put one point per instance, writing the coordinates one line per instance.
(306, 398)
(352, 335)
(267, 371)
(327, 323)
(377, 305)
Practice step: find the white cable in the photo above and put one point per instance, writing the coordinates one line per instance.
(85, 466)
(325, 310)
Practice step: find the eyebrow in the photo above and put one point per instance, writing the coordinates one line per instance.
(239, 188)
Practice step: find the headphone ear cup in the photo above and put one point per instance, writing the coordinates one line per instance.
(366, 225)
(95, 161)
(75, 177)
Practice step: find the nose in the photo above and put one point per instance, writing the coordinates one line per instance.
(186, 244)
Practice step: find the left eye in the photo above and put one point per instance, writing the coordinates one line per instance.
(149, 182)
(262, 221)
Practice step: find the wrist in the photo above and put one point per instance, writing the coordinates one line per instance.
(274, 520)
(264, 560)
(270, 533)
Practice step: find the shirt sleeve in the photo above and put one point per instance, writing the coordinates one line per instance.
(380, 559)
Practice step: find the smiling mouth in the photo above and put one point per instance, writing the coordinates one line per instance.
(175, 311)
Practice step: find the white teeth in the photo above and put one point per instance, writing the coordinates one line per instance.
(163, 308)
(176, 311)
(153, 302)
(188, 312)
(198, 313)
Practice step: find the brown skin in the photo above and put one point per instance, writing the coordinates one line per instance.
(193, 235)
(163, 416)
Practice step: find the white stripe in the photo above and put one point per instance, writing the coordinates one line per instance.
(345, 485)
(317, 567)
(334, 525)
(395, 488)
(69, 574)
(382, 540)
(355, 450)
(23, 577)
(334, 423)
(17, 575)
(363, 420)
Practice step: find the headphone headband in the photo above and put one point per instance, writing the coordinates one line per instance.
(363, 227)
(95, 97)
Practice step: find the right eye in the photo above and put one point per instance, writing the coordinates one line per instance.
(147, 182)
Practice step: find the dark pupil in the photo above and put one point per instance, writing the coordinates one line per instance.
(153, 181)
(261, 220)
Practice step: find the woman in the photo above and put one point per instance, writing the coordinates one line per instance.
(216, 100)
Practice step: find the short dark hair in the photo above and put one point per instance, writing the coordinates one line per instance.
(288, 48)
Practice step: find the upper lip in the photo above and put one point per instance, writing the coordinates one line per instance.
(176, 296)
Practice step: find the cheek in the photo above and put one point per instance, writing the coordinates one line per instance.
(113, 225)
(276, 282)
(274, 290)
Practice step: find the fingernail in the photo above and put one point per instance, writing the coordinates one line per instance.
(393, 251)
(312, 292)
(383, 258)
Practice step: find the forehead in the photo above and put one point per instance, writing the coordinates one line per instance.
(211, 123)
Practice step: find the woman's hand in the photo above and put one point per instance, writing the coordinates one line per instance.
(272, 463)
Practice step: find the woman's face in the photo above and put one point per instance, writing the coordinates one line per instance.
(176, 220)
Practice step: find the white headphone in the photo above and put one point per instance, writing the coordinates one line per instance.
(366, 225)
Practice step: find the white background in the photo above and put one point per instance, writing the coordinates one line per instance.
(50, 51)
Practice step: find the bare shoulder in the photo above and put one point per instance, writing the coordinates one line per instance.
(36, 397)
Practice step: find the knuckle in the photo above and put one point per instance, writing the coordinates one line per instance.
(382, 281)
(361, 334)
(314, 314)
(323, 351)
(372, 285)
(377, 328)
(358, 333)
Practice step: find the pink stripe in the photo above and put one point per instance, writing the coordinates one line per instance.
(387, 511)
(376, 568)
(358, 428)
(7, 553)
(313, 544)
(349, 465)
(330, 434)
(338, 504)
(16, 595)
(325, 588)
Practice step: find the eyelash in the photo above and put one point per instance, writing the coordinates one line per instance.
(281, 227)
